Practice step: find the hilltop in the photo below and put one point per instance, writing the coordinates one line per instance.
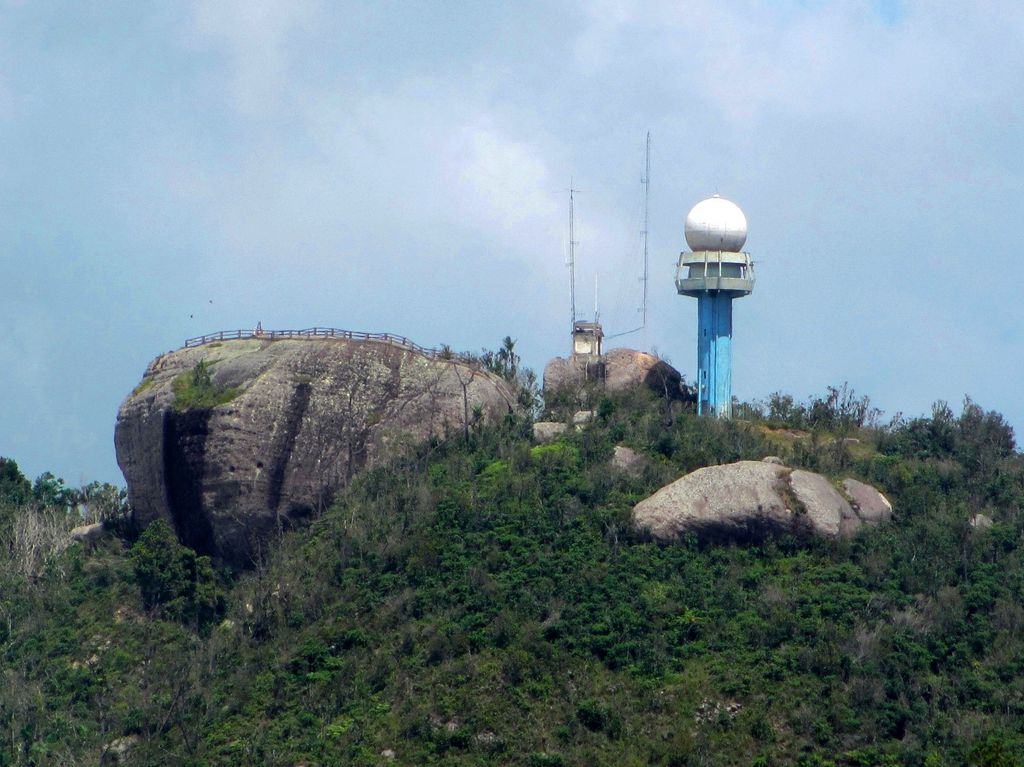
(480, 599)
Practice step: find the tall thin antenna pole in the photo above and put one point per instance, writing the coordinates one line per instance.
(647, 194)
(572, 254)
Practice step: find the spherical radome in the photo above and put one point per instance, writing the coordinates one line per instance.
(716, 224)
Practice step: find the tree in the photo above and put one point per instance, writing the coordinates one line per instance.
(14, 486)
(51, 492)
(173, 579)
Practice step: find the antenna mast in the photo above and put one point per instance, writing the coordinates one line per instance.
(647, 194)
(572, 255)
(646, 181)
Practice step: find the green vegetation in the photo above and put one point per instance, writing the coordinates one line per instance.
(485, 602)
(172, 580)
(194, 389)
(144, 385)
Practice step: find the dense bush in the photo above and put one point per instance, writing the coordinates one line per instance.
(483, 601)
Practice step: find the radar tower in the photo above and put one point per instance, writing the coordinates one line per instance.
(715, 272)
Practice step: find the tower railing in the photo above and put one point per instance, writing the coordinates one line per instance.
(391, 339)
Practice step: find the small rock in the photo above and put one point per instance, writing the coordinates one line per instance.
(388, 753)
(581, 417)
(628, 461)
(118, 750)
(87, 533)
(773, 459)
(548, 431)
(981, 521)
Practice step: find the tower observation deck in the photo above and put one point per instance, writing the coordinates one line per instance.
(715, 272)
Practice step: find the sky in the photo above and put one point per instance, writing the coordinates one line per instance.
(174, 169)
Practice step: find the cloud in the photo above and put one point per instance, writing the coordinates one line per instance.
(501, 182)
(257, 37)
(405, 168)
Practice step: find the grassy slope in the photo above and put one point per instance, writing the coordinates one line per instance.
(488, 605)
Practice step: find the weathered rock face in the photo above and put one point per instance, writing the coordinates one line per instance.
(548, 431)
(869, 504)
(309, 413)
(618, 371)
(749, 500)
(628, 461)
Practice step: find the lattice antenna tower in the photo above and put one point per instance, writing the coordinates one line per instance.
(646, 182)
(647, 195)
(572, 253)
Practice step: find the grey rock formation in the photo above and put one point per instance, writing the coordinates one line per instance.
(981, 521)
(628, 460)
(619, 370)
(87, 533)
(870, 505)
(119, 751)
(748, 500)
(827, 511)
(582, 417)
(308, 414)
(548, 431)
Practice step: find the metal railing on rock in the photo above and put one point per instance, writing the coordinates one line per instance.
(349, 335)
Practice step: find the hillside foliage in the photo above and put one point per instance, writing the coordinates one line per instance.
(486, 602)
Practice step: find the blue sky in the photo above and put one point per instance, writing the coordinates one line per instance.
(171, 169)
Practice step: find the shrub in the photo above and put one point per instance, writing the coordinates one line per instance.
(173, 580)
(195, 389)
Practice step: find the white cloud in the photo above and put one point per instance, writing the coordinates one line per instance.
(500, 182)
(258, 38)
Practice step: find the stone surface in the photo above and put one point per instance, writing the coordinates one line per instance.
(871, 506)
(581, 417)
(619, 370)
(981, 521)
(309, 414)
(628, 461)
(774, 459)
(748, 500)
(87, 533)
(828, 512)
(548, 431)
(119, 750)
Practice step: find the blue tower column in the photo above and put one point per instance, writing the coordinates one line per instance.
(714, 353)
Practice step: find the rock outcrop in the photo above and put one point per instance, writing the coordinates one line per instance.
(628, 461)
(87, 533)
(619, 370)
(751, 500)
(302, 416)
(548, 431)
(870, 505)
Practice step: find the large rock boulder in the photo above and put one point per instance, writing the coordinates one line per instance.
(298, 417)
(748, 500)
(618, 370)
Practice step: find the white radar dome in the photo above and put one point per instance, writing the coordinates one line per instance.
(716, 224)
